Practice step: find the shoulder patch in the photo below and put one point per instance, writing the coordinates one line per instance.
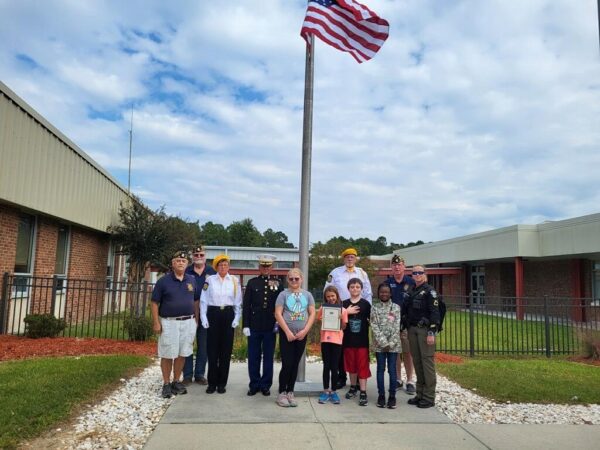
(205, 287)
(433, 294)
(329, 278)
(435, 303)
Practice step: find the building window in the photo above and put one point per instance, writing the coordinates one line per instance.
(62, 250)
(596, 282)
(25, 236)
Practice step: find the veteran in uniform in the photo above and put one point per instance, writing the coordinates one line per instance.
(258, 322)
(199, 270)
(220, 311)
(339, 278)
(421, 314)
(174, 309)
(401, 285)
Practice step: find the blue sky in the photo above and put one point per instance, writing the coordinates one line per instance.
(473, 116)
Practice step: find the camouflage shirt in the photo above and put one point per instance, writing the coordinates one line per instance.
(385, 323)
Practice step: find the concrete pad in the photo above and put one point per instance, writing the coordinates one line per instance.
(348, 411)
(231, 436)
(386, 436)
(509, 436)
(236, 407)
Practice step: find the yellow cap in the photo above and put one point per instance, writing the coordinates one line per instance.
(349, 251)
(217, 259)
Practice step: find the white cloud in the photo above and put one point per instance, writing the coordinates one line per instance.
(473, 116)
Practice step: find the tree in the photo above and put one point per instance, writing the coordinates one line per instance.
(276, 239)
(214, 234)
(244, 234)
(140, 235)
(150, 237)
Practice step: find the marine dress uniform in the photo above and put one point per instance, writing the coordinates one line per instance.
(422, 316)
(221, 309)
(258, 322)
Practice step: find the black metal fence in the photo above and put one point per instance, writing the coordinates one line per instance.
(518, 326)
(90, 308)
(473, 326)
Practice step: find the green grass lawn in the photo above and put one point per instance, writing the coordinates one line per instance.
(497, 334)
(37, 394)
(109, 326)
(527, 380)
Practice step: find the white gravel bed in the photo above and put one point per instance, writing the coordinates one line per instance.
(465, 406)
(125, 419)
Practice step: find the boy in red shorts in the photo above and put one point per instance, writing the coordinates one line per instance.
(356, 341)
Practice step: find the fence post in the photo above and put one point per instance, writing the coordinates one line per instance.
(3, 302)
(547, 326)
(471, 327)
(144, 296)
(53, 294)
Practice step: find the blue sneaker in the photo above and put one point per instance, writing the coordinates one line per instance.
(323, 397)
(335, 398)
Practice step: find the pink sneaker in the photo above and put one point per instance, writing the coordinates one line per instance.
(291, 399)
(282, 400)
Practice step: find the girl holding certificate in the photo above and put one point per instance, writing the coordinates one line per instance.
(334, 319)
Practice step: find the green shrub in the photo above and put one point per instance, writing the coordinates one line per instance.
(139, 328)
(43, 325)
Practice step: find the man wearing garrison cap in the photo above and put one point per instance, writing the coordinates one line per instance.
(199, 270)
(401, 286)
(175, 310)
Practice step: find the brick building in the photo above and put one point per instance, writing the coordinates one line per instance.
(56, 204)
(557, 259)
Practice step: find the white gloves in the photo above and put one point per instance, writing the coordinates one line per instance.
(205, 323)
(235, 323)
(246, 332)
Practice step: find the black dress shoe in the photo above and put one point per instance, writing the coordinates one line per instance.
(413, 401)
(251, 392)
(211, 389)
(425, 404)
(221, 390)
(266, 392)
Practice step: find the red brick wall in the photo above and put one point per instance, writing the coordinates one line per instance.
(499, 280)
(45, 247)
(9, 223)
(88, 254)
(552, 278)
(87, 261)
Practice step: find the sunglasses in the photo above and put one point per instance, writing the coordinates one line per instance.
(418, 273)
(201, 255)
(293, 278)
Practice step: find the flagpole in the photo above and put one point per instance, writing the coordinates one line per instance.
(305, 186)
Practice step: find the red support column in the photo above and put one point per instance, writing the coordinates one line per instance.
(577, 311)
(519, 287)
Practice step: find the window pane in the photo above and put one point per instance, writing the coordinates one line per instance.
(61, 250)
(24, 242)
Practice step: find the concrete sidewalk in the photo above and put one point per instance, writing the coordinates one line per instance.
(234, 420)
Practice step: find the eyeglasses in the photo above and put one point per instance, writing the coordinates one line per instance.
(419, 272)
(293, 278)
(201, 255)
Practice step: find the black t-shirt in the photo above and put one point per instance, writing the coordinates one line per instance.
(356, 333)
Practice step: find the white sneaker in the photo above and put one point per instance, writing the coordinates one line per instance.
(282, 400)
(291, 399)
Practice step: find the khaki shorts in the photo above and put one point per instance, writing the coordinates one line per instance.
(177, 338)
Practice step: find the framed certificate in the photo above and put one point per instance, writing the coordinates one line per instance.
(331, 318)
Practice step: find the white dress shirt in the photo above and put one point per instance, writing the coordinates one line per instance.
(340, 276)
(219, 291)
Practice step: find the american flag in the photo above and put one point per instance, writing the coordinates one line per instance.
(346, 25)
